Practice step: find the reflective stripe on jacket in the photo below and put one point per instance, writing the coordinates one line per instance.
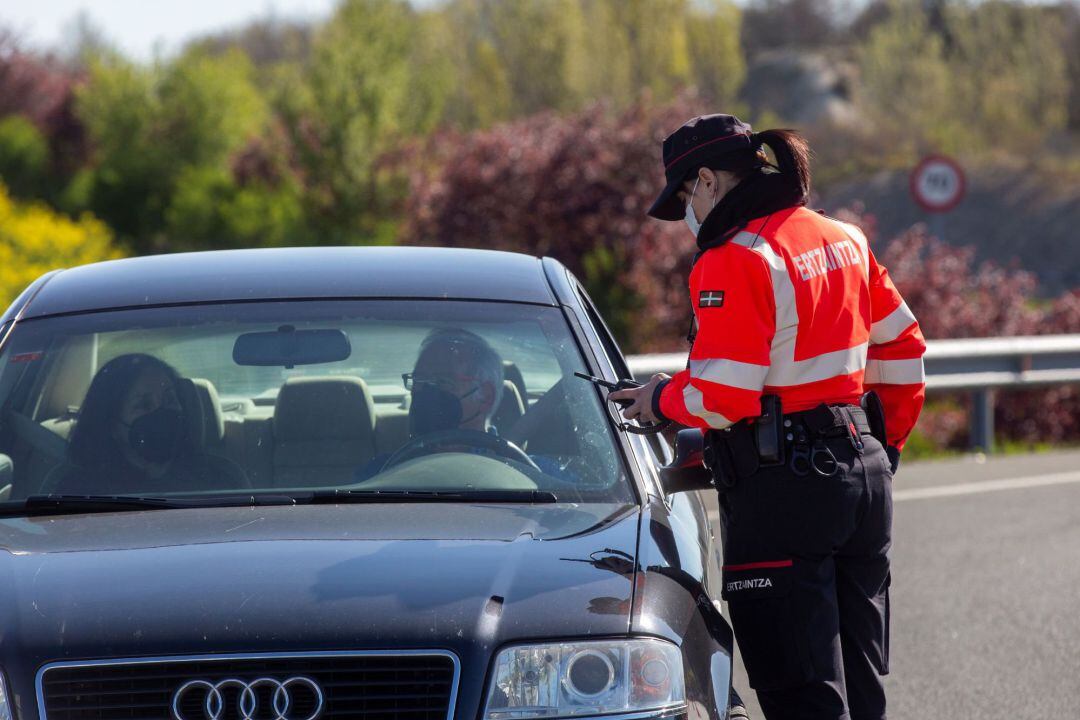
(796, 305)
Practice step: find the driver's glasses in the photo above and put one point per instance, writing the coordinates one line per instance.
(446, 382)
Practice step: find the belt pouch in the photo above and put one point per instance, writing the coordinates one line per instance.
(819, 421)
(871, 404)
(768, 431)
(734, 454)
(719, 459)
(742, 442)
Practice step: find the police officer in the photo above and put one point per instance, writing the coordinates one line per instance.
(795, 322)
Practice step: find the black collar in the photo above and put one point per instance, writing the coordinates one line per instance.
(759, 194)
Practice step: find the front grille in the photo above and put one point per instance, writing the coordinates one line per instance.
(354, 686)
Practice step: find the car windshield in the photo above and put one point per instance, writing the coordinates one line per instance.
(288, 397)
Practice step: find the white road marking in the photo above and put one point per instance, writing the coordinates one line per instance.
(972, 488)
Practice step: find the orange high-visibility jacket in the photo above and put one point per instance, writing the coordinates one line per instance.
(795, 305)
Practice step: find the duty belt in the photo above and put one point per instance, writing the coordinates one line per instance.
(733, 453)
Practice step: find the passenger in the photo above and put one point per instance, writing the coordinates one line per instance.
(132, 437)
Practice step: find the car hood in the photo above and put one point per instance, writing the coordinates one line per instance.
(312, 577)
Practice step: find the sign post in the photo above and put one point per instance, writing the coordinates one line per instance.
(938, 185)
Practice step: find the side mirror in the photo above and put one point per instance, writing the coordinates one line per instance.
(687, 471)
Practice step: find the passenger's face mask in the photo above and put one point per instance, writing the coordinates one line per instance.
(156, 436)
(434, 409)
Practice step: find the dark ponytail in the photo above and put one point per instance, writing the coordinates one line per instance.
(762, 188)
(792, 156)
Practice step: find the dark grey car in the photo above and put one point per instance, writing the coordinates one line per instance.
(261, 575)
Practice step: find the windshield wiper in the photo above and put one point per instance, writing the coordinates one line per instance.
(75, 504)
(390, 496)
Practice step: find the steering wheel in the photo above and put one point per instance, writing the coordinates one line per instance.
(437, 442)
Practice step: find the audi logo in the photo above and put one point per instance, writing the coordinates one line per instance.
(247, 703)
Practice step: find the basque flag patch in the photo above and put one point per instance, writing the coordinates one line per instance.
(711, 298)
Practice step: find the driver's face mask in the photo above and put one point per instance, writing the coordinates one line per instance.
(156, 436)
(433, 409)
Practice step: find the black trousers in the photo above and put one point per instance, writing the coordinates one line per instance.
(806, 578)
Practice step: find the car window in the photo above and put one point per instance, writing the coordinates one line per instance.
(658, 446)
(610, 348)
(283, 396)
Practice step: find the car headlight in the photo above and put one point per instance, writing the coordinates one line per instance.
(585, 678)
(5, 706)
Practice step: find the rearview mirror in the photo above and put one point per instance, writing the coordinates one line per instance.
(687, 471)
(288, 347)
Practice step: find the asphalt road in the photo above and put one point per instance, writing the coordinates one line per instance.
(986, 590)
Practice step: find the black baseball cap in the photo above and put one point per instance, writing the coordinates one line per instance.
(700, 139)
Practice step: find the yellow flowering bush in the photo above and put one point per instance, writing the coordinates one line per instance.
(35, 239)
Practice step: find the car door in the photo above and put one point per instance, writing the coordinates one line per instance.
(694, 515)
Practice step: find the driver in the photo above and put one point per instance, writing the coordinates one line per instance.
(456, 384)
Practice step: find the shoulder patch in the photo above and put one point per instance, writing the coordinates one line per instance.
(711, 298)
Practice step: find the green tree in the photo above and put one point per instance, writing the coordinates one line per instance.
(131, 181)
(657, 34)
(149, 125)
(211, 209)
(1015, 86)
(478, 87)
(210, 107)
(719, 67)
(599, 65)
(360, 97)
(965, 77)
(532, 40)
(515, 58)
(24, 157)
(659, 46)
(430, 75)
(906, 81)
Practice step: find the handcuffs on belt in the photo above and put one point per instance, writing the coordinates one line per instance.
(817, 457)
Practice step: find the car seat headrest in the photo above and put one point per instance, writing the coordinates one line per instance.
(324, 408)
(510, 409)
(202, 409)
(512, 373)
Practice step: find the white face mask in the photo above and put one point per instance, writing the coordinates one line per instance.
(691, 218)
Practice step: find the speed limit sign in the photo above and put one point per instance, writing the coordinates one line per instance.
(938, 183)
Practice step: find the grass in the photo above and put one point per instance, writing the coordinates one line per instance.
(919, 447)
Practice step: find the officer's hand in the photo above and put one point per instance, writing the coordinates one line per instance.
(640, 408)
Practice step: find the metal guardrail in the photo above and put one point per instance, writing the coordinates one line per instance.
(981, 366)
